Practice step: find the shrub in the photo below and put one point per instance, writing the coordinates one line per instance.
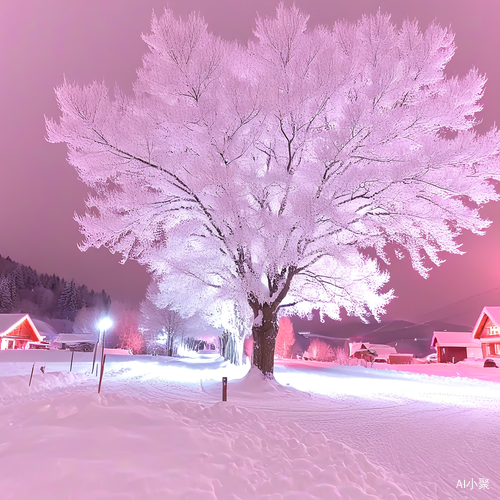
(285, 338)
(319, 351)
(341, 355)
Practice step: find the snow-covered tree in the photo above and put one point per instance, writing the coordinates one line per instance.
(160, 327)
(18, 277)
(231, 347)
(31, 278)
(87, 320)
(70, 300)
(44, 298)
(124, 332)
(319, 350)
(285, 338)
(128, 333)
(281, 173)
(6, 303)
(341, 355)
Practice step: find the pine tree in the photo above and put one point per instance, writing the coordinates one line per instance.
(69, 300)
(18, 278)
(5, 295)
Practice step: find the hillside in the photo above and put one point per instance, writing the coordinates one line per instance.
(404, 335)
(23, 289)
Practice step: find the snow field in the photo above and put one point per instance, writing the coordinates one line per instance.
(101, 446)
(159, 431)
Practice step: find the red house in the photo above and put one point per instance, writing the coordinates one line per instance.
(452, 347)
(17, 331)
(487, 331)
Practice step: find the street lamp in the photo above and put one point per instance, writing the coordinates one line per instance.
(104, 325)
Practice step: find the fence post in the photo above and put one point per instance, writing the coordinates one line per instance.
(102, 373)
(224, 388)
(71, 363)
(31, 376)
(103, 342)
(95, 353)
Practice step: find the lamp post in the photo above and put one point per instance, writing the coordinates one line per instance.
(104, 325)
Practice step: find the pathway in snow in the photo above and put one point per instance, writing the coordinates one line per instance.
(428, 433)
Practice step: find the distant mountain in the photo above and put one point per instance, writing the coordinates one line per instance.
(23, 289)
(405, 336)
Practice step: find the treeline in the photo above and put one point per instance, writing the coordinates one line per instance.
(22, 289)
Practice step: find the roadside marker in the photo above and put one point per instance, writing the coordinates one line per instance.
(31, 376)
(102, 373)
(224, 388)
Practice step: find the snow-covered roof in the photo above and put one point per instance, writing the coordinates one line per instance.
(454, 339)
(9, 321)
(45, 329)
(488, 312)
(382, 350)
(68, 338)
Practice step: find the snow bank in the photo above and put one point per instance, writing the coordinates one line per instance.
(255, 385)
(103, 447)
(18, 385)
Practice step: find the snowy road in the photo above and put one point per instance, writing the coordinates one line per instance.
(426, 432)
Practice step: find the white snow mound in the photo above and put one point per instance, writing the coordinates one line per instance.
(179, 451)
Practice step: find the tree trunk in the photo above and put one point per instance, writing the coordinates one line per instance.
(224, 344)
(170, 345)
(264, 339)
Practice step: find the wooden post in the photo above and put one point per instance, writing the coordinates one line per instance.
(95, 352)
(103, 342)
(71, 363)
(224, 388)
(31, 376)
(102, 373)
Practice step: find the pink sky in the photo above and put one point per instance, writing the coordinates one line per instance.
(100, 40)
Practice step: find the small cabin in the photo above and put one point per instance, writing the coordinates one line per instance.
(487, 332)
(371, 352)
(400, 358)
(76, 341)
(17, 331)
(452, 347)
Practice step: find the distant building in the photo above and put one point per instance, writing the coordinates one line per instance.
(482, 342)
(452, 347)
(17, 331)
(400, 358)
(371, 352)
(76, 341)
(487, 332)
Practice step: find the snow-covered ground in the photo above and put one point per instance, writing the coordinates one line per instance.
(158, 430)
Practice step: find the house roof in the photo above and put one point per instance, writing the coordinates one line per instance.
(9, 321)
(382, 350)
(488, 312)
(454, 339)
(69, 338)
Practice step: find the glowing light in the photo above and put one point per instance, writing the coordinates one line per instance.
(105, 324)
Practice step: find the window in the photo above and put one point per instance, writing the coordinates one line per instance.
(494, 349)
(494, 330)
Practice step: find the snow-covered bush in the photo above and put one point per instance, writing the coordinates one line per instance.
(319, 351)
(341, 355)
